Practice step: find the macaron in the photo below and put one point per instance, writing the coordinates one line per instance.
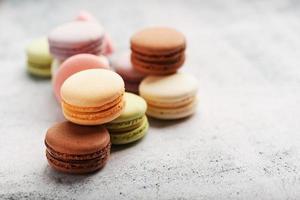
(132, 124)
(77, 149)
(132, 78)
(38, 58)
(93, 97)
(170, 97)
(158, 50)
(76, 64)
(76, 37)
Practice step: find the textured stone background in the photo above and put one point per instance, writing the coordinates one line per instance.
(244, 141)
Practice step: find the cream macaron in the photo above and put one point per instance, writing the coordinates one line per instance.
(170, 97)
(93, 97)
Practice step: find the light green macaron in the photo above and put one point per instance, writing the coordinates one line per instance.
(39, 58)
(132, 124)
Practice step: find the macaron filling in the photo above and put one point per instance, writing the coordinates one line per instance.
(125, 125)
(38, 65)
(91, 117)
(77, 157)
(165, 103)
(158, 69)
(172, 113)
(82, 109)
(151, 57)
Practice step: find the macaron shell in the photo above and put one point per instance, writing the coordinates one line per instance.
(76, 64)
(157, 40)
(169, 88)
(69, 138)
(38, 52)
(135, 107)
(92, 88)
(131, 136)
(75, 34)
(172, 113)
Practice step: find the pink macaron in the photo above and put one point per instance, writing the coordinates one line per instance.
(108, 46)
(75, 38)
(124, 68)
(76, 64)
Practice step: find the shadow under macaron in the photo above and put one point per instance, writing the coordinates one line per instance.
(164, 123)
(68, 178)
(120, 147)
(37, 78)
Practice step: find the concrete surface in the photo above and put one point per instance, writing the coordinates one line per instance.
(244, 141)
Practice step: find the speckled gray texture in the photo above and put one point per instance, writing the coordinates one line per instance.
(244, 141)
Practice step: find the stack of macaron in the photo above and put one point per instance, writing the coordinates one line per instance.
(157, 50)
(132, 124)
(77, 149)
(156, 55)
(82, 35)
(76, 37)
(38, 58)
(98, 113)
(100, 104)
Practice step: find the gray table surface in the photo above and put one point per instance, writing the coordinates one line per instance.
(244, 141)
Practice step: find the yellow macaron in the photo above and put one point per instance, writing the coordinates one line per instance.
(93, 97)
(39, 58)
(170, 97)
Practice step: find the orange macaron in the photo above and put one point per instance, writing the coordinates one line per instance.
(158, 50)
(93, 97)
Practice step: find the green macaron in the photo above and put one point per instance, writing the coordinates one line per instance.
(39, 58)
(132, 124)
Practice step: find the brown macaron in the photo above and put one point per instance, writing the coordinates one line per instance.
(77, 149)
(158, 50)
